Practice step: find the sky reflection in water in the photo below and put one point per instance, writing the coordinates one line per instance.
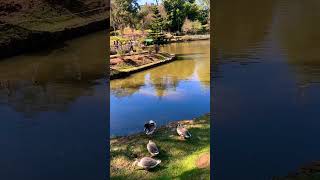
(174, 91)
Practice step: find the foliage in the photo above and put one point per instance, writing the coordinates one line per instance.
(168, 15)
(179, 10)
(145, 16)
(158, 22)
(205, 12)
(192, 27)
(122, 40)
(124, 13)
(176, 13)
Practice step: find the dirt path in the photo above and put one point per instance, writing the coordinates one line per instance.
(203, 161)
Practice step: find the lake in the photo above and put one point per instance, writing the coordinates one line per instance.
(174, 91)
(266, 87)
(53, 107)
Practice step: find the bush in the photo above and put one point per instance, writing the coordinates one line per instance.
(114, 33)
(122, 40)
(192, 27)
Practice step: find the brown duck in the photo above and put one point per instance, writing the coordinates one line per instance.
(183, 132)
(152, 148)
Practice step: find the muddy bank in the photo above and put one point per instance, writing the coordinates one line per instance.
(24, 40)
(123, 66)
(37, 24)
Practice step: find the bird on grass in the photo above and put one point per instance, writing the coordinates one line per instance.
(152, 148)
(183, 132)
(150, 127)
(147, 163)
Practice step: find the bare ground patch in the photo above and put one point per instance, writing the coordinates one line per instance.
(203, 161)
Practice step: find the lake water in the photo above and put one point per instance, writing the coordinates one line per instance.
(266, 87)
(174, 91)
(53, 112)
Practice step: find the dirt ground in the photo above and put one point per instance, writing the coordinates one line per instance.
(203, 161)
(135, 60)
(45, 15)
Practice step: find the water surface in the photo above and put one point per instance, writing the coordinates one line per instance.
(266, 87)
(174, 91)
(53, 112)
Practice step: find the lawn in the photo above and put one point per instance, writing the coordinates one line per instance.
(181, 159)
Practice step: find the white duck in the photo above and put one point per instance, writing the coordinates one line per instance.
(150, 127)
(147, 163)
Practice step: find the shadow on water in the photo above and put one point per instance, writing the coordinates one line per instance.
(266, 73)
(47, 132)
(50, 80)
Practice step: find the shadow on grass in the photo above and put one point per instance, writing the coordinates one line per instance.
(196, 172)
(163, 155)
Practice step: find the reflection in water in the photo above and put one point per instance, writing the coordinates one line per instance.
(298, 32)
(46, 130)
(52, 80)
(260, 125)
(157, 93)
(241, 35)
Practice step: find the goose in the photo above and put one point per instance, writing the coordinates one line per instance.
(147, 163)
(152, 148)
(183, 132)
(150, 127)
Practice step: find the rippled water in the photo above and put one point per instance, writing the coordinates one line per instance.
(174, 91)
(266, 87)
(53, 112)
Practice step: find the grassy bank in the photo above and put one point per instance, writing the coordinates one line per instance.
(181, 159)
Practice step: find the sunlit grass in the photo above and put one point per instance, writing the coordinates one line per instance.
(179, 157)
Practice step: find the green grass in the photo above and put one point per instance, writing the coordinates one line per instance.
(179, 157)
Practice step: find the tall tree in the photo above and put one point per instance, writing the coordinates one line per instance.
(146, 16)
(158, 22)
(178, 11)
(124, 13)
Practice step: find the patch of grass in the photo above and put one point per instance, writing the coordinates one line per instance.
(179, 157)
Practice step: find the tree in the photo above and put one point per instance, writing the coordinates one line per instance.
(145, 16)
(192, 27)
(205, 10)
(124, 13)
(158, 22)
(178, 11)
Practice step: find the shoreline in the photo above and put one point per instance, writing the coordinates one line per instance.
(180, 158)
(123, 73)
(187, 38)
(25, 40)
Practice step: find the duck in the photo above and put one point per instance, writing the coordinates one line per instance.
(183, 132)
(152, 148)
(150, 127)
(147, 163)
